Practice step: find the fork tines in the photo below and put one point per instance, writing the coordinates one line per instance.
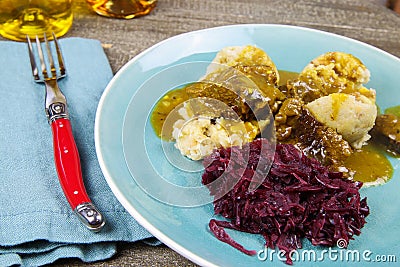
(53, 70)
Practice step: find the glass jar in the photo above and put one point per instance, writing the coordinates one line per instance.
(124, 9)
(19, 18)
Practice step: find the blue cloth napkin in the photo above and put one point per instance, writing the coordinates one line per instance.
(37, 225)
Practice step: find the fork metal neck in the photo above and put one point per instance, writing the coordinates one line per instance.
(55, 103)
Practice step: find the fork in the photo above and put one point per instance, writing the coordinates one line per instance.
(66, 155)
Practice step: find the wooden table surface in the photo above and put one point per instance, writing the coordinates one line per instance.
(366, 20)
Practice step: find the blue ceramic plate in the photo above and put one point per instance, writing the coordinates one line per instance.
(140, 174)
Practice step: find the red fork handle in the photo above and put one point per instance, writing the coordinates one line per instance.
(68, 167)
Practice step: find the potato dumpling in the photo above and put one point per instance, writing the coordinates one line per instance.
(352, 116)
(337, 72)
(248, 55)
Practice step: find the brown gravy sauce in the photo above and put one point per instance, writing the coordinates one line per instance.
(370, 164)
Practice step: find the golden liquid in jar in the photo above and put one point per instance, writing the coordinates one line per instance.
(125, 9)
(19, 18)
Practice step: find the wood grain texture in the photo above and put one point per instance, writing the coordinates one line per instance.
(366, 20)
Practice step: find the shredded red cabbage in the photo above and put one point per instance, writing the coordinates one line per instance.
(298, 198)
